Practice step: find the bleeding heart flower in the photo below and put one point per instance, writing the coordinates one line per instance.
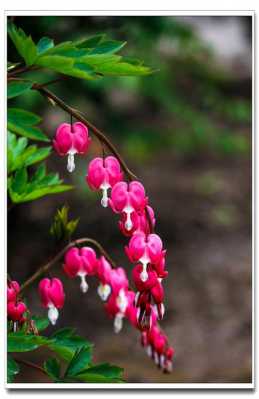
(13, 289)
(145, 249)
(104, 275)
(127, 198)
(140, 222)
(52, 297)
(15, 310)
(104, 173)
(80, 262)
(70, 140)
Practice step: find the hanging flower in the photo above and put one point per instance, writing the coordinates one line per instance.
(103, 174)
(13, 289)
(103, 273)
(140, 222)
(127, 198)
(15, 311)
(71, 139)
(52, 297)
(80, 262)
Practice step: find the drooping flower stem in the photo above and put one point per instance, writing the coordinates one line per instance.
(45, 268)
(97, 132)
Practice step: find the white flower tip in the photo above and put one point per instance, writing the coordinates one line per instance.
(71, 163)
(144, 276)
(104, 202)
(118, 323)
(104, 291)
(53, 315)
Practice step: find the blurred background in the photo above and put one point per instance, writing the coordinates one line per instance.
(186, 132)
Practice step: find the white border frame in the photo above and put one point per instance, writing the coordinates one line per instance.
(124, 386)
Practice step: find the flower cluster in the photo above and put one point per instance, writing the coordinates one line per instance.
(15, 307)
(143, 308)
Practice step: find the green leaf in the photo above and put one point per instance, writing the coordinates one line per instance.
(19, 342)
(16, 88)
(91, 42)
(52, 368)
(65, 343)
(111, 46)
(12, 369)
(41, 323)
(124, 69)
(22, 117)
(20, 180)
(39, 155)
(23, 43)
(22, 122)
(44, 44)
(56, 62)
(79, 362)
(61, 228)
(101, 373)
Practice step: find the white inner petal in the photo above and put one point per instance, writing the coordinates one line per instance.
(145, 261)
(118, 322)
(83, 285)
(104, 187)
(52, 314)
(71, 160)
(104, 291)
(128, 210)
(149, 350)
(122, 301)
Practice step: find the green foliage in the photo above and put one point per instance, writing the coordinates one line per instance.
(23, 189)
(62, 228)
(41, 323)
(74, 351)
(87, 58)
(12, 369)
(53, 368)
(23, 123)
(19, 154)
(65, 343)
(16, 88)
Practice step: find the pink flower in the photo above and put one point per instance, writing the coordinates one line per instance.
(145, 249)
(52, 297)
(80, 262)
(156, 344)
(15, 310)
(70, 140)
(13, 289)
(118, 280)
(104, 174)
(140, 222)
(116, 307)
(127, 198)
(104, 275)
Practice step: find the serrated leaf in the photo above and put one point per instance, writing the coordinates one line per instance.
(23, 123)
(12, 369)
(19, 342)
(79, 362)
(38, 193)
(56, 62)
(16, 88)
(44, 44)
(52, 368)
(23, 43)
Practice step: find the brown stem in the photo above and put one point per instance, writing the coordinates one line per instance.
(30, 364)
(43, 269)
(77, 115)
(24, 69)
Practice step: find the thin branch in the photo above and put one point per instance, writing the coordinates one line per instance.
(30, 364)
(24, 69)
(97, 132)
(45, 268)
